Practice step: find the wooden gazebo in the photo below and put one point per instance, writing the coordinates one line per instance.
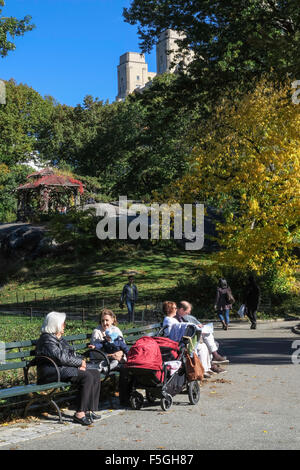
(47, 191)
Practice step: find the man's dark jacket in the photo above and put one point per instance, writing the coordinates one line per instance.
(130, 292)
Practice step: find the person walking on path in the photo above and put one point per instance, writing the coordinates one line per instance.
(251, 300)
(223, 302)
(129, 296)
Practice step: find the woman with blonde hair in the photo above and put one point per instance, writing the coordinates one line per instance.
(109, 338)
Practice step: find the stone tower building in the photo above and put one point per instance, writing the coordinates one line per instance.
(133, 71)
(167, 51)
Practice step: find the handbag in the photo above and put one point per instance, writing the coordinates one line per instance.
(193, 368)
(229, 297)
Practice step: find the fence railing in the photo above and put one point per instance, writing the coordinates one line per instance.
(81, 308)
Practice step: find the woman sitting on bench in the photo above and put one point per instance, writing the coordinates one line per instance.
(108, 338)
(72, 367)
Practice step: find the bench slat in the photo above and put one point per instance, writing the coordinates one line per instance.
(20, 344)
(132, 339)
(13, 365)
(17, 355)
(141, 329)
(80, 346)
(77, 337)
(24, 390)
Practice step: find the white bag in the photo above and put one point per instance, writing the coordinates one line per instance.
(174, 366)
(241, 310)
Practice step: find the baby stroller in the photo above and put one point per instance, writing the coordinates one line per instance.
(149, 367)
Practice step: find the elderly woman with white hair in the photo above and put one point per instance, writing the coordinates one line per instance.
(72, 367)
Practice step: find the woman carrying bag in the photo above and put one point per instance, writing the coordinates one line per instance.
(223, 303)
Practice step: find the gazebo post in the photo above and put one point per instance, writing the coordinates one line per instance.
(77, 197)
(44, 202)
(20, 205)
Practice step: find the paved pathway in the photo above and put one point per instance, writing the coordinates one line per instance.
(256, 405)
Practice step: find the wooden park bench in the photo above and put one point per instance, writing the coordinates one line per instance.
(19, 356)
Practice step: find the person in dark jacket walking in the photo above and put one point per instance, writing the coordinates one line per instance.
(70, 366)
(223, 303)
(251, 300)
(129, 296)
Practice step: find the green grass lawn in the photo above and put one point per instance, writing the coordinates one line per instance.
(99, 277)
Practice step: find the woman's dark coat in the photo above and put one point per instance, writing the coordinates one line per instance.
(222, 302)
(63, 355)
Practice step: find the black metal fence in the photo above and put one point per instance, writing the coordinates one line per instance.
(83, 308)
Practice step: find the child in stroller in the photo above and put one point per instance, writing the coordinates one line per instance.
(157, 365)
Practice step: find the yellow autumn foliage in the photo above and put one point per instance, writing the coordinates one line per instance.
(246, 162)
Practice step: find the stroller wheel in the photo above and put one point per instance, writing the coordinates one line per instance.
(150, 397)
(166, 402)
(136, 400)
(194, 392)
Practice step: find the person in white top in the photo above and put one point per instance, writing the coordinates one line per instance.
(172, 327)
(109, 338)
(184, 315)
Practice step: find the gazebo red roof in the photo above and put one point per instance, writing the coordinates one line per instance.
(47, 177)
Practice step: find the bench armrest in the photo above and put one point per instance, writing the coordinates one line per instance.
(103, 355)
(34, 361)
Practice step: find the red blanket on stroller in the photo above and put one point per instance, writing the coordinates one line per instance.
(146, 354)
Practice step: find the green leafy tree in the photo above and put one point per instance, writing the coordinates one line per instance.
(161, 145)
(246, 162)
(131, 147)
(11, 27)
(235, 42)
(10, 179)
(22, 121)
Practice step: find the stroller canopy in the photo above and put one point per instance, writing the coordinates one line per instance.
(145, 354)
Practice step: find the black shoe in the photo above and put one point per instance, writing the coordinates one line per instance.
(93, 416)
(253, 326)
(85, 421)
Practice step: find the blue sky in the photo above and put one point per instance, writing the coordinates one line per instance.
(74, 49)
